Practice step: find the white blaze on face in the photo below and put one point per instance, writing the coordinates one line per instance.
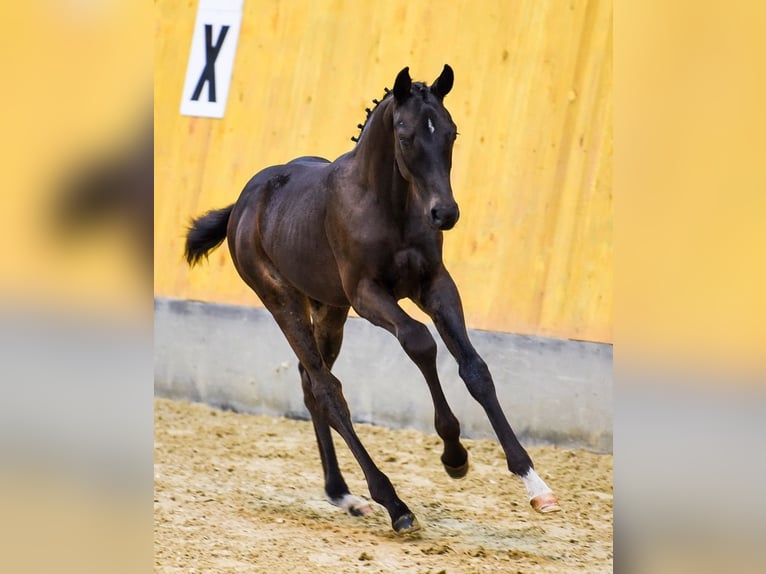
(431, 127)
(535, 485)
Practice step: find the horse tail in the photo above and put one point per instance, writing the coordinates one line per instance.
(206, 233)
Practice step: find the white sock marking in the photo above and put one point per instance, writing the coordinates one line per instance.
(350, 503)
(535, 485)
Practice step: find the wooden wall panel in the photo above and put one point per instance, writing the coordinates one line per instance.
(532, 252)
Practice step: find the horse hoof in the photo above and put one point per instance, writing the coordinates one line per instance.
(545, 503)
(406, 524)
(457, 471)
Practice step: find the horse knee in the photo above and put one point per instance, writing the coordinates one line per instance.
(477, 378)
(417, 342)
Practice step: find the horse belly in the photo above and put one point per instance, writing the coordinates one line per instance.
(315, 274)
(297, 245)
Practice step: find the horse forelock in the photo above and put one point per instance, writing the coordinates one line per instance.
(422, 90)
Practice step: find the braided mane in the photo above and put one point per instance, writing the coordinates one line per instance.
(369, 111)
(418, 88)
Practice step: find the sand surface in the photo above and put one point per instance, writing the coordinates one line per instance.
(244, 493)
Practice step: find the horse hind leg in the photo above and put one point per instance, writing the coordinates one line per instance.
(333, 408)
(328, 333)
(335, 487)
(290, 309)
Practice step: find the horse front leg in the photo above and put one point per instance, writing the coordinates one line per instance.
(379, 307)
(441, 301)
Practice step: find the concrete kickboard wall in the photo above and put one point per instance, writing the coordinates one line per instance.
(553, 391)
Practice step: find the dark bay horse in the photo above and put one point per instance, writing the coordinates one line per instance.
(313, 238)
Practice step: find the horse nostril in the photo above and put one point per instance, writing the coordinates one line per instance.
(445, 217)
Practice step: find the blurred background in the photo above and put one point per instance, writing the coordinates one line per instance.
(690, 248)
(75, 286)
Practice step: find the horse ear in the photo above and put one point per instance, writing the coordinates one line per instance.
(402, 85)
(443, 84)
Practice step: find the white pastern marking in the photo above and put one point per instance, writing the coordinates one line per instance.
(535, 485)
(354, 505)
(431, 127)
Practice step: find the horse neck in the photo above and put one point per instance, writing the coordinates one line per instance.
(374, 159)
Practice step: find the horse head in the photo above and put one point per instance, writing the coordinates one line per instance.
(424, 135)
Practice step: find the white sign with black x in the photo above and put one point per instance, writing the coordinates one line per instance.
(211, 58)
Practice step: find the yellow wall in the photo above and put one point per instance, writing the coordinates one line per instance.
(532, 167)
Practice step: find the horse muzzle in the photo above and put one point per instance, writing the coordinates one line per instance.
(445, 217)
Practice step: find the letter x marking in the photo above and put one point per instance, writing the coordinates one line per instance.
(211, 53)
